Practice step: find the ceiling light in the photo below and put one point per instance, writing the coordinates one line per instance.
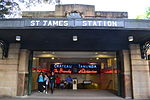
(96, 53)
(52, 58)
(75, 38)
(44, 52)
(58, 63)
(53, 52)
(97, 58)
(92, 63)
(18, 38)
(130, 38)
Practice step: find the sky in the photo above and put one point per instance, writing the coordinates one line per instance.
(133, 7)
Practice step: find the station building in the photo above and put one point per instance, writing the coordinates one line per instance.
(102, 50)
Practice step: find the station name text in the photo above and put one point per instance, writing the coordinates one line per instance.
(103, 23)
(48, 23)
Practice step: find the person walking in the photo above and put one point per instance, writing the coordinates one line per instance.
(40, 80)
(52, 81)
(58, 81)
(46, 79)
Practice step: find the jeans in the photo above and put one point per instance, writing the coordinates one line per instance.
(52, 87)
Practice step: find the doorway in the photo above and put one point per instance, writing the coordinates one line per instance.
(93, 70)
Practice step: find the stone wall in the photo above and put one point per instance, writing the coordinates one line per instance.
(38, 14)
(140, 74)
(9, 71)
(108, 81)
(110, 14)
(14, 72)
(86, 10)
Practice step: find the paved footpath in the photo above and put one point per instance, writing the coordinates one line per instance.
(70, 95)
(23, 98)
(64, 98)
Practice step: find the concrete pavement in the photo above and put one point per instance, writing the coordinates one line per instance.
(69, 95)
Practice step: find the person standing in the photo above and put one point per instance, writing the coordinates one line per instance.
(46, 79)
(69, 82)
(40, 80)
(57, 81)
(52, 81)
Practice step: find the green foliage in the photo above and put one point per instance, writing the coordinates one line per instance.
(11, 9)
(146, 15)
(8, 8)
(4, 7)
(31, 3)
(141, 16)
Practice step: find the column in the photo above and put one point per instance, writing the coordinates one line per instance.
(9, 71)
(23, 73)
(127, 75)
(140, 74)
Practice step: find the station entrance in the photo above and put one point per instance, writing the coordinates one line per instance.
(92, 70)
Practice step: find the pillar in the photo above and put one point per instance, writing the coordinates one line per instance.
(127, 74)
(23, 73)
(140, 73)
(9, 71)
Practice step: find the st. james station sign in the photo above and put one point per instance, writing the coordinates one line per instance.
(78, 22)
(67, 23)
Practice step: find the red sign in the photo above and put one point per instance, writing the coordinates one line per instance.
(62, 71)
(83, 70)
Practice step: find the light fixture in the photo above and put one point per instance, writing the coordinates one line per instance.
(58, 63)
(92, 63)
(130, 38)
(52, 58)
(34, 58)
(44, 52)
(53, 52)
(96, 53)
(97, 58)
(18, 38)
(75, 38)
